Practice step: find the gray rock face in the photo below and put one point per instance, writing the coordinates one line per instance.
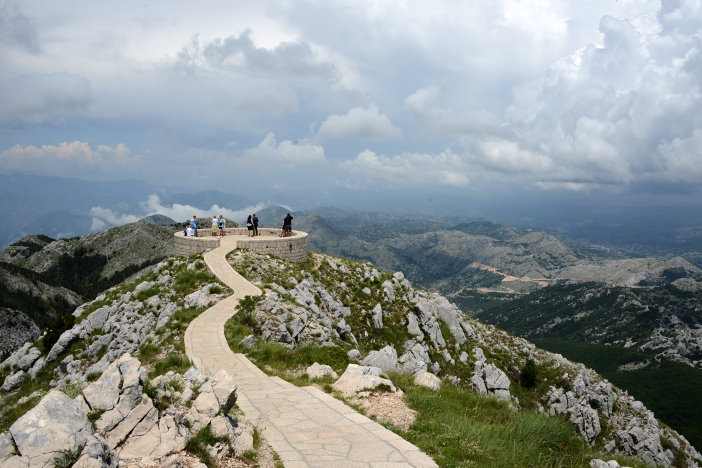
(413, 325)
(55, 424)
(358, 378)
(7, 447)
(16, 329)
(386, 359)
(428, 323)
(377, 316)
(415, 359)
(583, 417)
(487, 379)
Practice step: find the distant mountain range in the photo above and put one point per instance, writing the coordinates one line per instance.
(61, 208)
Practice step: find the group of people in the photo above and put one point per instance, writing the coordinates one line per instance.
(217, 228)
(218, 225)
(252, 225)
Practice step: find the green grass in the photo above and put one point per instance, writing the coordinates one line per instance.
(458, 428)
(198, 445)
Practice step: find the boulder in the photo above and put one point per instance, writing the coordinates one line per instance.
(12, 381)
(28, 360)
(385, 358)
(224, 389)
(427, 379)
(55, 424)
(64, 340)
(354, 355)
(358, 378)
(316, 371)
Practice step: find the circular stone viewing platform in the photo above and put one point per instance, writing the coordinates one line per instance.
(292, 248)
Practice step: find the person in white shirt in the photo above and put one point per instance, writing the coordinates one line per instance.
(189, 231)
(215, 225)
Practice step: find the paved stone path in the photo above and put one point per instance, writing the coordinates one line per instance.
(304, 425)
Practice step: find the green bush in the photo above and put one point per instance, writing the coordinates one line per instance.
(529, 374)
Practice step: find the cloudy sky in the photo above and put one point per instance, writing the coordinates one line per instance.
(359, 99)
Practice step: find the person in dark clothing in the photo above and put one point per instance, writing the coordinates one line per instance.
(287, 226)
(255, 224)
(249, 226)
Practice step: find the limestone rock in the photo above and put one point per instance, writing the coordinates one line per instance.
(29, 359)
(249, 340)
(200, 298)
(358, 378)
(137, 422)
(385, 358)
(427, 379)
(487, 379)
(64, 340)
(55, 424)
(354, 355)
(414, 360)
(13, 380)
(413, 325)
(378, 316)
(316, 371)
(7, 448)
(224, 389)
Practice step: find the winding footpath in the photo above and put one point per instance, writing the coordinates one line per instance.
(304, 425)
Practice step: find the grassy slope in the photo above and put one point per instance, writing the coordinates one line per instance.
(456, 427)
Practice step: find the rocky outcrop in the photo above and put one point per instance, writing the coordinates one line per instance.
(129, 426)
(55, 426)
(16, 329)
(487, 379)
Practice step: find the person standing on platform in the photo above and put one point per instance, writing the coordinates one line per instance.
(221, 226)
(255, 224)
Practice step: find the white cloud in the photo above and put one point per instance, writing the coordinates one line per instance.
(287, 152)
(103, 217)
(407, 170)
(363, 123)
(61, 159)
(180, 212)
(627, 111)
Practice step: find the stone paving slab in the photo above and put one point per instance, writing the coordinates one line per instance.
(305, 426)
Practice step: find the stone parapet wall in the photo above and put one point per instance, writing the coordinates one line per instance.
(187, 246)
(293, 248)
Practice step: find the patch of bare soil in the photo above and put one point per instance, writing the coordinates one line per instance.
(387, 407)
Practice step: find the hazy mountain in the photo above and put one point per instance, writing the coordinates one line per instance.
(158, 220)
